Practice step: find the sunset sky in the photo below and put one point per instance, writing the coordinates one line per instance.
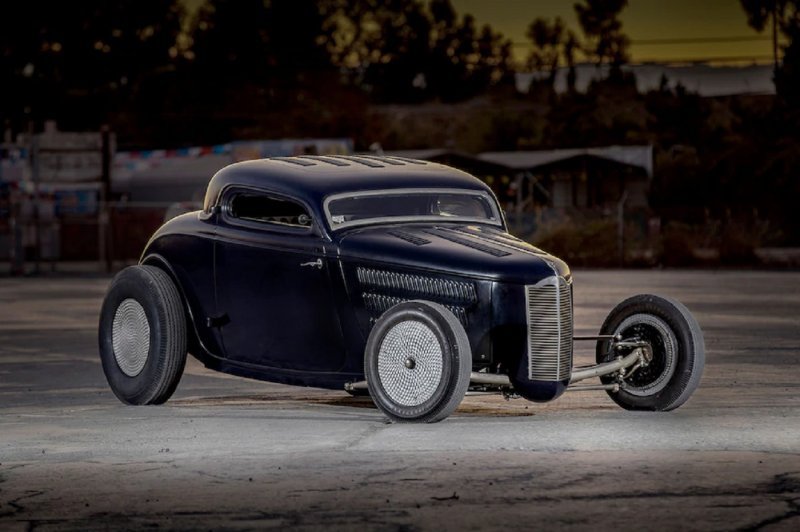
(711, 29)
(642, 20)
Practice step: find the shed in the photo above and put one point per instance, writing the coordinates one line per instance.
(168, 180)
(580, 177)
(498, 176)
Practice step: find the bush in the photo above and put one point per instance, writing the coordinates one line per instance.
(591, 243)
(678, 241)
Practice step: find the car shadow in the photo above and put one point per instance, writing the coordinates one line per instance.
(477, 405)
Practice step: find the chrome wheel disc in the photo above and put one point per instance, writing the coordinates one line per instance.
(130, 337)
(655, 376)
(410, 363)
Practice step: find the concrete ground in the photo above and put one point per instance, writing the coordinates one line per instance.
(229, 454)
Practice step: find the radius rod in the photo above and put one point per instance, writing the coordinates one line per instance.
(496, 379)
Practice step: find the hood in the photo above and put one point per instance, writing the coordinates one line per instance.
(454, 249)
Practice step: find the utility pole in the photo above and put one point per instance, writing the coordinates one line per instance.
(105, 235)
(775, 35)
(621, 227)
(37, 200)
(15, 198)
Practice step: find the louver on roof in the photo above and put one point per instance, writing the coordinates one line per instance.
(370, 161)
(311, 178)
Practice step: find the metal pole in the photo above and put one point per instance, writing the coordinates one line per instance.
(104, 220)
(15, 197)
(775, 35)
(621, 227)
(518, 207)
(35, 154)
(17, 250)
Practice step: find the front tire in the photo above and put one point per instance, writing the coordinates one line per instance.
(417, 362)
(142, 336)
(678, 352)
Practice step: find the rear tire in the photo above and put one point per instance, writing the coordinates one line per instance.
(678, 352)
(417, 362)
(142, 336)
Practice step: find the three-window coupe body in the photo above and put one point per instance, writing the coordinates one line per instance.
(380, 275)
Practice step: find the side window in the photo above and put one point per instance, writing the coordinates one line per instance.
(256, 207)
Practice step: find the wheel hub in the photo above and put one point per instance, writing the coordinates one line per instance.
(130, 337)
(659, 353)
(410, 363)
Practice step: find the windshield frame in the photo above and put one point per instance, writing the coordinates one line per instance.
(499, 220)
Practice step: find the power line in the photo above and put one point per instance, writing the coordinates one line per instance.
(701, 40)
(717, 59)
(682, 40)
(758, 60)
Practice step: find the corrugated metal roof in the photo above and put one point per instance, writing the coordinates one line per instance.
(638, 156)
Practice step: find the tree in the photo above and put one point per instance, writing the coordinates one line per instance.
(296, 30)
(785, 17)
(605, 41)
(230, 40)
(381, 46)
(401, 51)
(494, 66)
(447, 70)
(553, 45)
(571, 44)
(548, 42)
(75, 61)
(787, 76)
(265, 68)
(784, 14)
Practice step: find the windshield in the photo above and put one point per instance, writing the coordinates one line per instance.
(358, 208)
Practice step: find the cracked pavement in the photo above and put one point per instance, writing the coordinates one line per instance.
(231, 454)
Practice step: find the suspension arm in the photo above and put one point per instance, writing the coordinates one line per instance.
(636, 356)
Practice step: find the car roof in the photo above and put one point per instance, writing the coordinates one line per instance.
(311, 178)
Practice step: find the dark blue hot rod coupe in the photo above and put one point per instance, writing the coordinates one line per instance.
(381, 275)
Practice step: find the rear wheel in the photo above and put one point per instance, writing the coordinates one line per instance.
(678, 352)
(142, 336)
(417, 362)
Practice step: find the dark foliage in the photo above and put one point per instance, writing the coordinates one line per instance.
(605, 41)
(287, 68)
(403, 52)
(80, 61)
(784, 17)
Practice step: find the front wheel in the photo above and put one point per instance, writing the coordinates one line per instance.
(417, 362)
(678, 352)
(142, 336)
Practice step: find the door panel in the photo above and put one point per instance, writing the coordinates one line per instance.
(273, 282)
(277, 298)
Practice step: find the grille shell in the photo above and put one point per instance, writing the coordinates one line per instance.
(548, 306)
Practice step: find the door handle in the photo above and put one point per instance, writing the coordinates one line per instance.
(315, 264)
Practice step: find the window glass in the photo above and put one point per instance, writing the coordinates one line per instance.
(261, 208)
(414, 205)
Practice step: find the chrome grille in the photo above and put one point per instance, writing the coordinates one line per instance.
(549, 309)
